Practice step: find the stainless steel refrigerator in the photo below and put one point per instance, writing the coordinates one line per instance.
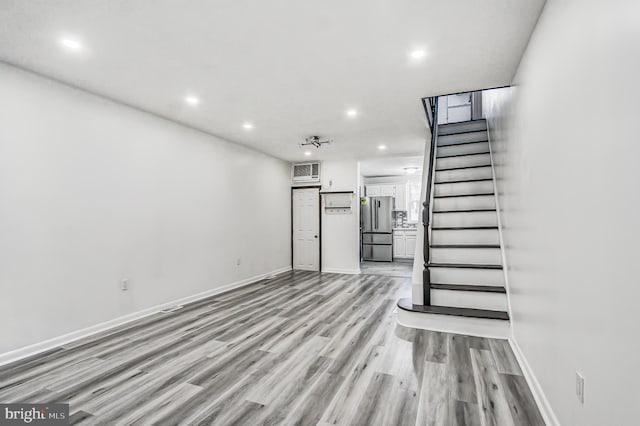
(377, 232)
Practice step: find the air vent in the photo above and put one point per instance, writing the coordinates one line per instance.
(305, 172)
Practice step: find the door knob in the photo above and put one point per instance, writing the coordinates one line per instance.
(315, 236)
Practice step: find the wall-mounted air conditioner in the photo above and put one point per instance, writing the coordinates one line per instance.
(305, 172)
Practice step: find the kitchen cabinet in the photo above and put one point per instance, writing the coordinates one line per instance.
(401, 197)
(399, 249)
(388, 190)
(372, 190)
(404, 243)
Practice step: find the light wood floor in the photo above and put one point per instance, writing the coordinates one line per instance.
(304, 348)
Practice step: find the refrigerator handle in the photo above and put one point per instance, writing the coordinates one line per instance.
(375, 210)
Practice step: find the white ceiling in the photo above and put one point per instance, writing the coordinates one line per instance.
(290, 67)
(389, 166)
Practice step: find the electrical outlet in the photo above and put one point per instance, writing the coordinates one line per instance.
(238, 262)
(124, 284)
(580, 387)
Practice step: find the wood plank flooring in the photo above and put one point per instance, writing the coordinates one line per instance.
(303, 348)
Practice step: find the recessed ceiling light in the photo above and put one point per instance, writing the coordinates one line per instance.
(382, 147)
(71, 44)
(410, 170)
(192, 100)
(352, 112)
(417, 54)
(248, 126)
(307, 153)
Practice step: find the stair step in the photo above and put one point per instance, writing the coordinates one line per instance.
(463, 195)
(465, 246)
(462, 155)
(462, 127)
(464, 266)
(464, 181)
(405, 304)
(469, 287)
(461, 143)
(463, 168)
(458, 228)
(464, 211)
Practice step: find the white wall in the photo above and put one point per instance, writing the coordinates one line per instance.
(341, 232)
(92, 191)
(566, 149)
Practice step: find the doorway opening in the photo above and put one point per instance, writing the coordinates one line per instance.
(389, 214)
(306, 229)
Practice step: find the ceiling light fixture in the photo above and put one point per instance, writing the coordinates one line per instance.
(247, 126)
(71, 44)
(352, 112)
(192, 100)
(417, 54)
(307, 153)
(382, 147)
(316, 141)
(411, 170)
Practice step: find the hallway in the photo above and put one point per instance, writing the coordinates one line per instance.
(303, 348)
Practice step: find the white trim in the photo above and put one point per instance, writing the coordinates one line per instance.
(55, 342)
(538, 394)
(341, 271)
(500, 235)
(494, 329)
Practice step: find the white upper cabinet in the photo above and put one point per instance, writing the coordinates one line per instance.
(401, 197)
(372, 190)
(388, 190)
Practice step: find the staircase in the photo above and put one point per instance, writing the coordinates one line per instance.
(463, 280)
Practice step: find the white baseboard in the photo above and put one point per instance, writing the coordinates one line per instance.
(495, 329)
(37, 348)
(538, 394)
(341, 271)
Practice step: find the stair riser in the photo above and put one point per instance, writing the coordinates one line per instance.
(464, 188)
(465, 203)
(469, 161)
(471, 148)
(480, 256)
(469, 299)
(465, 219)
(467, 236)
(444, 140)
(467, 276)
(478, 173)
(448, 129)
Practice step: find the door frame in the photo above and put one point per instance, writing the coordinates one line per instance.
(319, 188)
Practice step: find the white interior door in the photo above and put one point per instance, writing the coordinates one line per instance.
(306, 229)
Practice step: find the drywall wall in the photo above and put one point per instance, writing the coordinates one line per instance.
(341, 232)
(566, 153)
(92, 192)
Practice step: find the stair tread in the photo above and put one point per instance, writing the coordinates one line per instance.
(450, 228)
(464, 265)
(464, 181)
(464, 195)
(407, 305)
(464, 211)
(474, 246)
(461, 143)
(469, 287)
(462, 168)
(462, 155)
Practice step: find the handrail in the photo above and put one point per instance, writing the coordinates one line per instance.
(426, 212)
